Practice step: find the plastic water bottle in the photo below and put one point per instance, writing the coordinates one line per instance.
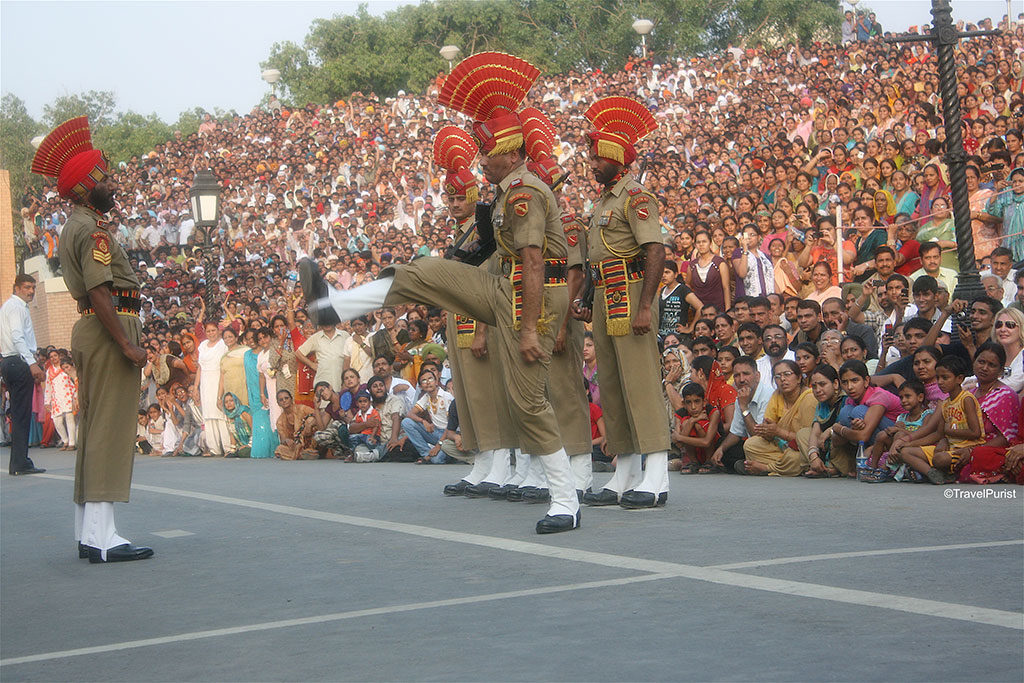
(862, 461)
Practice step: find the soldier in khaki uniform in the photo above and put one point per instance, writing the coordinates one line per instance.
(626, 250)
(524, 306)
(565, 382)
(479, 391)
(104, 342)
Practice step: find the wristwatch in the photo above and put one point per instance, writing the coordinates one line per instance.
(745, 412)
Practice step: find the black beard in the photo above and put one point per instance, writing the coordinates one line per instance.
(775, 350)
(101, 200)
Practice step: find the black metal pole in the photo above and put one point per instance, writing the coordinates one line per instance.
(211, 269)
(944, 36)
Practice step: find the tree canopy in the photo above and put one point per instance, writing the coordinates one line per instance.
(399, 50)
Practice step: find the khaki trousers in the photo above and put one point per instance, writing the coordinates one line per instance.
(567, 393)
(108, 400)
(629, 372)
(472, 291)
(480, 395)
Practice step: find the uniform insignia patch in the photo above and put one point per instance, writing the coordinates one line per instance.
(515, 183)
(518, 196)
(568, 218)
(638, 201)
(643, 213)
(521, 208)
(572, 238)
(635, 190)
(101, 247)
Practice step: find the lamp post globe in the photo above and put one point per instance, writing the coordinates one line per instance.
(36, 141)
(643, 27)
(271, 76)
(449, 53)
(204, 197)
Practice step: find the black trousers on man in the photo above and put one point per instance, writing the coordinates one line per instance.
(18, 379)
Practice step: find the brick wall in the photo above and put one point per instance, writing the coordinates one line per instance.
(53, 312)
(8, 269)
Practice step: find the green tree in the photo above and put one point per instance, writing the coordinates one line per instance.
(17, 128)
(99, 105)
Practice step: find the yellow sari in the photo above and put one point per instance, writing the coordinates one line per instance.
(783, 459)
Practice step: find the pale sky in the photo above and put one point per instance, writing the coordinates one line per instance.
(167, 56)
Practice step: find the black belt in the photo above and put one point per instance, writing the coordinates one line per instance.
(555, 270)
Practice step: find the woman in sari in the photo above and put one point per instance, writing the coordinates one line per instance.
(1008, 206)
(984, 227)
(816, 441)
(939, 228)
(885, 208)
(903, 196)
(263, 439)
(239, 425)
(1000, 411)
(304, 374)
(773, 450)
(281, 361)
(232, 367)
(189, 356)
(934, 186)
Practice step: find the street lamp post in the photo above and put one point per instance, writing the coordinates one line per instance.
(205, 199)
(943, 35)
(450, 52)
(643, 27)
(271, 76)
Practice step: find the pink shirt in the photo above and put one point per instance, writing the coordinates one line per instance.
(877, 396)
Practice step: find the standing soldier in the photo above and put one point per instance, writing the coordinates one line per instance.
(104, 341)
(628, 255)
(565, 385)
(524, 306)
(479, 393)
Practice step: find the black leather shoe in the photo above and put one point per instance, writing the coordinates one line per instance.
(637, 500)
(28, 470)
(121, 553)
(602, 497)
(516, 494)
(536, 496)
(480, 490)
(314, 291)
(456, 489)
(83, 551)
(501, 492)
(553, 524)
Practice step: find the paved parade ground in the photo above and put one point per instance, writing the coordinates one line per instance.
(270, 570)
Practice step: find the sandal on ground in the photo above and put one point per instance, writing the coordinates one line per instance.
(689, 469)
(709, 469)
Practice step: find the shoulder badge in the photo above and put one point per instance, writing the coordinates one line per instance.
(515, 183)
(521, 209)
(520, 196)
(568, 218)
(635, 190)
(571, 237)
(637, 201)
(101, 247)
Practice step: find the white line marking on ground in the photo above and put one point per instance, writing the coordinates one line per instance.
(863, 553)
(324, 618)
(173, 533)
(981, 615)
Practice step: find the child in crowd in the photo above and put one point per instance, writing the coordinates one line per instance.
(142, 434)
(155, 429)
(807, 359)
(933, 450)
(926, 361)
(696, 429)
(727, 355)
(365, 428)
(914, 402)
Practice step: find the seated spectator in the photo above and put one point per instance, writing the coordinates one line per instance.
(816, 442)
(806, 356)
(155, 429)
(726, 357)
(868, 410)
(695, 429)
(239, 425)
(142, 444)
(393, 447)
(601, 461)
(936, 449)
(424, 425)
(333, 439)
(364, 429)
(752, 396)
(916, 411)
(773, 449)
(295, 429)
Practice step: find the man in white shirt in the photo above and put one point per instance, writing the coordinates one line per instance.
(19, 369)
(773, 338)
(329, 346)
(426, 422)
(751, 402)
(1002, 268)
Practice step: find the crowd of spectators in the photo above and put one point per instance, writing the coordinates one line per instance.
(811, 258)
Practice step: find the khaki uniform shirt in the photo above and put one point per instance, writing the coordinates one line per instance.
(90, 256)
(526, 214)
(624, 220)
